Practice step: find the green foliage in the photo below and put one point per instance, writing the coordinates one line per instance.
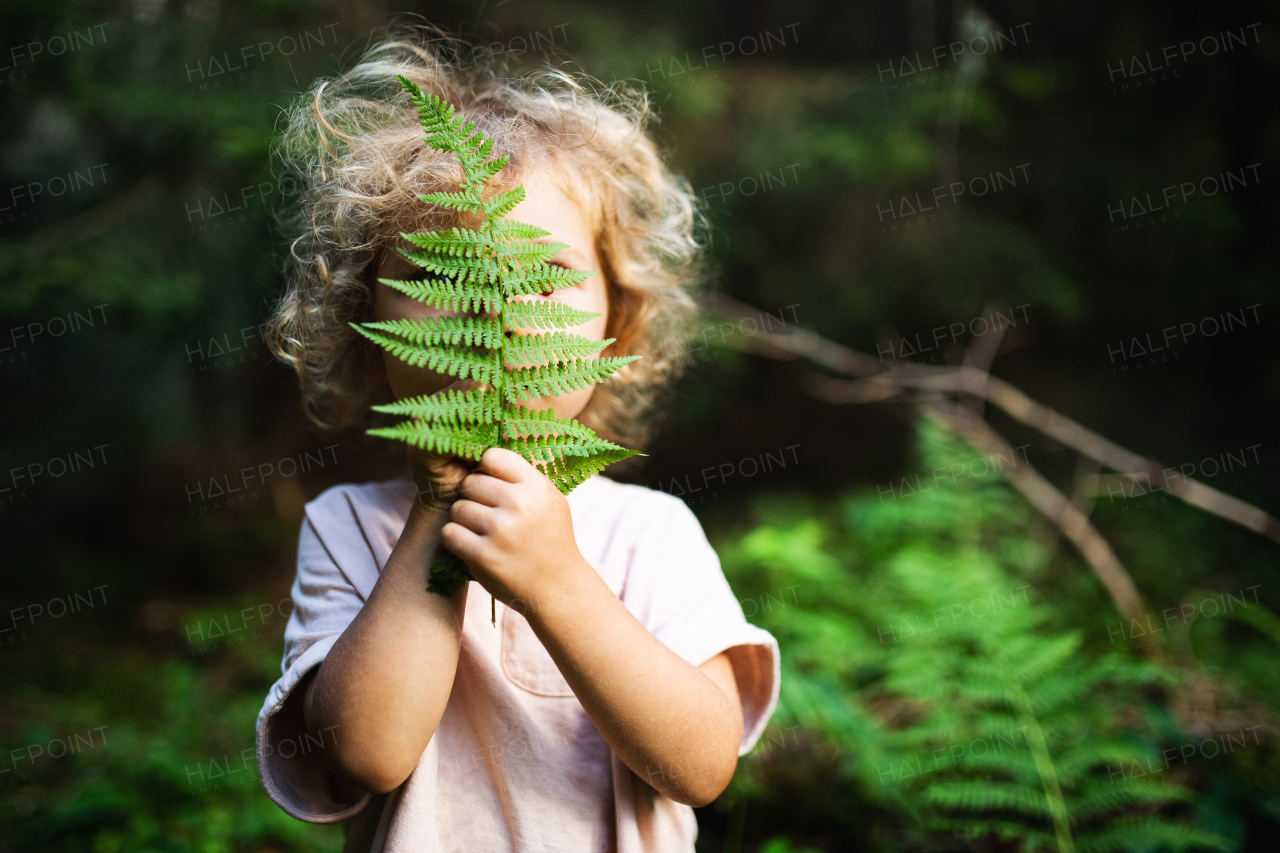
(171, 766)
(926, 670)
(479, 270)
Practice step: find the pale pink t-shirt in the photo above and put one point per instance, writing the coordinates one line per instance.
(515, 764)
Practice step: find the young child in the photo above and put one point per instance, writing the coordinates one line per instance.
(622, 681)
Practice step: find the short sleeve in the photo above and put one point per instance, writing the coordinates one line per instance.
(291, 761)
(696, 615)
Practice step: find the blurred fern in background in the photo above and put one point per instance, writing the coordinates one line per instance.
(920, 666)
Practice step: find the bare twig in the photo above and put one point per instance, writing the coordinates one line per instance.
(1055, 506)
(890, 377)
(981, 353)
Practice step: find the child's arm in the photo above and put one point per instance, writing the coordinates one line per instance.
(676, 725)
(387, 679)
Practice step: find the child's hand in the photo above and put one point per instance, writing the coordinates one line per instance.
(513, 529)
(436, 476)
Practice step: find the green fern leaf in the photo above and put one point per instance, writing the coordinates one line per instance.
(989, 729)
(1150, 833)
(540, 279)
(448, 295)
(571, 473)
(974, 796)
(527, 252)
(455, 241)
(525, 349)
(457, 269)
(544, 315)
(510, 229)
(548, 448)
(1113, 796)
(480, 171)
(526, 382)
(522, 421)
(443, 439)
(465, 202)
(482, 271)
(480, 407)
(503, 203)
(427, 331)
(456, 361)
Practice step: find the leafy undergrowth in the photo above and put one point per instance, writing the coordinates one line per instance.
(157, 750)
(930, 700)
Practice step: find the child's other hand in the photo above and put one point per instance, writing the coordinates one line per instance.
(513, 529)
(437, 476)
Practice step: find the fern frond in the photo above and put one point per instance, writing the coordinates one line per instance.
(540, 279)
(1063, 688)
(1108, 797)
(481, 171)
(455, 361)
(544, 314)
(525, 383)
(553, 346)
(979, 795)
(1078, 760)
(480, 407)
(549, 448)
(523, 421)
(1016, 764)
(1149, 833)
(448, 574)
(449, 439)
(573, 472)
(428, 331)
(449, 295)
(477, 271)
(465, 202)
(511, 229)
(457, 269)
(528, 252)
(503, 203)
(455, 241)
(1047, 656)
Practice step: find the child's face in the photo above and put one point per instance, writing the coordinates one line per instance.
(547, 207)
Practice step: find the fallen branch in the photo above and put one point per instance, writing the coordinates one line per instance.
(889, 378)
(1052, 503)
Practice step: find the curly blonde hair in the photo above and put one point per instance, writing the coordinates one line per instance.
(354, 146)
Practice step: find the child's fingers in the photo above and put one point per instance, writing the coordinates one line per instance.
(483, 488)
(461, 541)
(506, 465)
(474, 516)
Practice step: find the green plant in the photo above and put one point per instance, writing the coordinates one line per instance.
(478, 270)
(1014, 732)
(927, 674)
(165, 762)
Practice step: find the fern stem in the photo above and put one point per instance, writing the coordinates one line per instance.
(1044, 766)
(501, 389)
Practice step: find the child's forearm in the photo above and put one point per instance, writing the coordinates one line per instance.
(666, 719)
(387, 679)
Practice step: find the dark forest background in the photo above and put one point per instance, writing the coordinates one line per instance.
(137, 258)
